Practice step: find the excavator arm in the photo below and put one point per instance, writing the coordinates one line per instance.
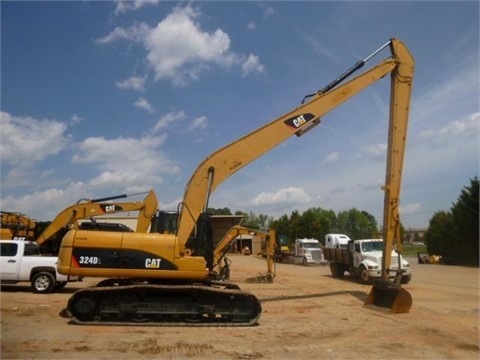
(234, 156)
(385, 293)
(224, 244)
(226, 161)
(90, 208)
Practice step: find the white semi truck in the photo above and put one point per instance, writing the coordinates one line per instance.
(305, 252)
(361, 258)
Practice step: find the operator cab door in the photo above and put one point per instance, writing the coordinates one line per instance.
(9, 261)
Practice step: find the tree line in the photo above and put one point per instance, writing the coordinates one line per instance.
(312, 223)
(452, 234)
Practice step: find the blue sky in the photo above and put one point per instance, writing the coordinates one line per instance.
(103, 98)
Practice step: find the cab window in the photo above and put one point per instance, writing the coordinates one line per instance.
(8, 249)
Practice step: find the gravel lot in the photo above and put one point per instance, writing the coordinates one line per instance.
(306, 315)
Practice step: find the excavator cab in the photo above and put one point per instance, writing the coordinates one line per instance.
(165, 222)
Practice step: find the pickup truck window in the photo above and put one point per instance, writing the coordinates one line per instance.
(31, 249)
(8, 249)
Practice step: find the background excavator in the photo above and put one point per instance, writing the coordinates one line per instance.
(17, 226)
(166, 278)
(221, 264)
(49, 240)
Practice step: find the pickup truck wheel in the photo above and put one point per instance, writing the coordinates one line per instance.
(43, 282)
(364, 277)
(406, 279)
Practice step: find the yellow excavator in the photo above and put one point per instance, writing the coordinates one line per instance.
(166, 278)
(221, 264)
(17, 226)
(49, 240)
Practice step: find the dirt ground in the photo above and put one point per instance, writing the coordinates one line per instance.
(306, 315)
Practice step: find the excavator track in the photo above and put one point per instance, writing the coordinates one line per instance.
(164, 305)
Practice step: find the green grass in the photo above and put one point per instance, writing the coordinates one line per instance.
(411, 250)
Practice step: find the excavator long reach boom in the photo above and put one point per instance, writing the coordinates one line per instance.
(169, 279)
(226, 161)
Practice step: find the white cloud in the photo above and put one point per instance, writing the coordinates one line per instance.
(198, 123)
(410, 209)
(376, 150)
(122, 6)
(332, 157)
(252, 64)
(179, 50)
(168, 120)
(75, 119)
(135, 33)
(26, 140)
(251, 26)
(451, 92)
(136, 83)
(125, 161)
(457, 129)
(45, 205)
(144, 104)
(268, 12)
(290, 195)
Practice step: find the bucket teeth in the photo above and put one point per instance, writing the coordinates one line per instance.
(265, 278)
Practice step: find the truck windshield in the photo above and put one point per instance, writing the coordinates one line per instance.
(372, 246)
(311, 245)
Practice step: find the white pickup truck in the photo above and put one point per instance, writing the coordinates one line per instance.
(20, 261)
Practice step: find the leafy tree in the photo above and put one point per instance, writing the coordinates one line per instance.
(356, 224)
(253, 221)
(282, 226)
(295, 230)
(465, 218)
(317, 223)
(224, 211)
(454, 234)
(439, 235)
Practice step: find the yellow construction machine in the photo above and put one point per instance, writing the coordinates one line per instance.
(17, 226)
(49, 240)
(221, 264)
(166, 278)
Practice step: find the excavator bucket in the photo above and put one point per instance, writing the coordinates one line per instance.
(392, 296)
(262, 278)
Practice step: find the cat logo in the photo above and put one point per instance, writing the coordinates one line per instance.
(153, 263)
(110, 207)
(299, 120)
